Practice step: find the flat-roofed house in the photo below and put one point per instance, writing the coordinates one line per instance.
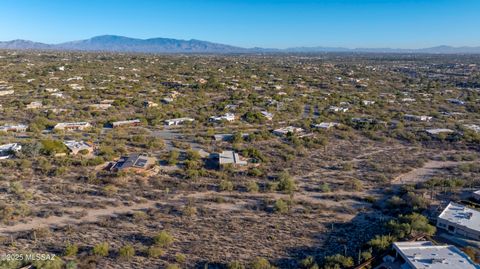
(100, 106)
(426, 255)
(325, 125)
(226, 117)
(337, 109)
(178, 121)
(460, 220)
(289, 129)
(438, 131)
(267, 115)
(76, 146)
(7, 150)
(14, 128)
(72, 126)
(34, 105)
(228, 157)
(417, 118)
(6, 92)
(136, 162)
(122, 123)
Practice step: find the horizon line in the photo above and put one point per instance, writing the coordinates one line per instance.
(253, 47)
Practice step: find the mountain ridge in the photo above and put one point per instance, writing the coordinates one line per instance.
(116, 43)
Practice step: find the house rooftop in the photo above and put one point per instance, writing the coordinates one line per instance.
(438, 131)
(426, 255)
(135, 160)
(230, 157)
(76, 145)
(461, 215)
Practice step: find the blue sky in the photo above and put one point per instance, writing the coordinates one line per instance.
(249, 23)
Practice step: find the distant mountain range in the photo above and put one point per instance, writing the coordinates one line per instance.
(112, 43)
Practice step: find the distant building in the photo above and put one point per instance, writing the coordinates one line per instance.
(417, 118)
(473, 127)
(425, 255)
(178, 121)
(289, 129)
(72, 126)
(226, 117)
(57, 94)
(267, 115)
(460, 220)
(167, 100)
(408, 99)
(34, 105)
(438, 131)
(231, 107)
(337, 109)
(124, 123)
(76, 146)
(228, 157)
(6, 92)
(149, 104)
(456, 101)
(476, 196)
(325, 125)
(7, 150)
(14, 128)
(134, 162)
(368, 102)
(100, 106)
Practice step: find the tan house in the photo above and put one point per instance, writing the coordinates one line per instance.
(14, 128)
(122, 123)
(72, 126)
(34, 105)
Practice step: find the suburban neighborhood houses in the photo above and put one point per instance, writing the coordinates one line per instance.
(240, 161)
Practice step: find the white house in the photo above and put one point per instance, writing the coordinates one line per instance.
(227, 117)
(417, 118)
(76, 146)
(337, 109)
(77, 126)
(228, 157)
(460, 220)
(14, 128)
(6, 92)
(425, 255)
(325, 125)
(439, 131)
(178, 121)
